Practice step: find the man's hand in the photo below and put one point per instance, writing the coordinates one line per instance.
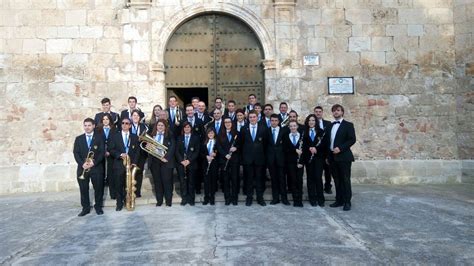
(336, 150)
(299, 152)
(123, 156)
(300, 165)
(233, 149)
(164, 160)
(313, 150)
(107, 154)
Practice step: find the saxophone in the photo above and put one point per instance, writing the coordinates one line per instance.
(131, 172)
(89, 158)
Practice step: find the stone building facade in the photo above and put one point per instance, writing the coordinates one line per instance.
(412, 62)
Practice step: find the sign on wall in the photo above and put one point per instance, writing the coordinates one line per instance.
(311, 60)
(341, 85)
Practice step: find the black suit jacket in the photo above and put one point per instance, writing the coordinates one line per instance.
(223, 148)
(290, 150)
(142, 129)
(116, 147)
(192, 154)
(81, 150)
(308, 143)
(170, 142)
(172, 125)
(205, 117)
(253, 152)
(345, 138)
(275, 151)
(127, 114)
(221, 128)
(226, 115)
(115, 118)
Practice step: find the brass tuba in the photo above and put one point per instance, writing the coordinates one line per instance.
(156, 150)
(89, 158)
(131, 172)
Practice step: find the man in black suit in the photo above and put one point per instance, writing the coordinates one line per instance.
(323, 124)
(218, 105)
(283, 111)
(196, 124)
(132, 105)
(253, 139)
(267, 112)
(341, 137)
(106, 110)
(201, 114)
(92, 169)
(294, 117)
(123, 144)
(276, 161)
(230, 111)
(252, 100)
(217, 124)
(175, 115)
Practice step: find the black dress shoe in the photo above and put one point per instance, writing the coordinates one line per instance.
(227, 202)
(198, 192)
(212, 201)
(84, 212)
(158, 204)
(248, 202)
(285, 202)
(347, 207)
(191, 203)
(328, 190)
(119, 208)
(99, 211)
(261, 202)
(274, 202)
(234, 203)
(205, 202)
(321, 204)
(139, 195)
(168, 204)
(313, 204)
(113, 197)
(335, 205)
(183, 203)
(298, 204)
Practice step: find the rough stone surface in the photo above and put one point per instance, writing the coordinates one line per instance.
(387, 225)
(412, 61)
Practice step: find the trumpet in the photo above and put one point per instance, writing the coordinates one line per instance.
(156, 150)
(208, 123)
(230, 152)
(286, 121)
(89, 158)
(178, 115)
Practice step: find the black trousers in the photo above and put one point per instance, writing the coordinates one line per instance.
(296, 175)
(119, 175)
(314, 180)
(109, 176)
(163, 181)
(327, 176)
(277, 174)
(341, 172)
(199, 174)
(139, 176)
(210, 179)
(188, 194)
(253, 176)
(231, 181)
(97, 184)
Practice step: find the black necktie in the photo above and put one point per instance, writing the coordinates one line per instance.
(336, 122)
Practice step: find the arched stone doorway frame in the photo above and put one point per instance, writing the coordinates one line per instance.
(161, 36)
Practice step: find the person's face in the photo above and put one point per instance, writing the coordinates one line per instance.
(202, 107)
(105, 121)
(163, 115)
(195, 103)
(318, 113)
(293, 127)
(274, 121)
(253, 118)
(283, 108)
(312, 122)
(240, 117)
(126, 125)
(132, 103)
(135, 118)
(187, 129)
(217, 114)
(88, 127)
(258, 109)
(252, 100)
(293, 117)
(172, 102)
(218, 103)
(106, 107)
(211, 134)
(228, 124)
(156, 111)
(189, 111)
(268, 111)
(337, 113)
(160, 127)
(231, 107)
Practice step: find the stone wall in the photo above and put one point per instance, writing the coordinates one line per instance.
(412, 61)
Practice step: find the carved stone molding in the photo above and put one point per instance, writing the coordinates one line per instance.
(269, 64)
(157, 67)
(284, 3)
(139, 4)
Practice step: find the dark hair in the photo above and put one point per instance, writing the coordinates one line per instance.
(132, 98)
(207, 133)
(253, 112)
(257, 104)
(218, 98)
(318, 107)
(172, 96)
(223, 133)
(231, 101)
(274, 116)
(153, 118)
(251, 94)
(293, 111)
(240, 110)
(89, 120)
(105, 100)
(336, 106)
(283, 103)
(126, 118)
(195, 98)
(266, 105)
(154, 131)
(100, 126)
(185, 124)
(188, 105)
(138, 113)
(306, 123)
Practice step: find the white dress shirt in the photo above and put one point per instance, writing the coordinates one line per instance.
(334, 129)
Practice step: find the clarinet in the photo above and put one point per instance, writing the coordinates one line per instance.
(209, 162)
(300, 147)
(185, 158)
(230, 153)
(317, 144)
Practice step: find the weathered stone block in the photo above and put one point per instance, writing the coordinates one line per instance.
(382, 43)
(58, 46)
(332, 16)
(316, 45)
(83, 45)
(359, 16)
(75, 60)
(357, 44)
(415, 30)
(412, 16)
(396, 30)
(76, 17)
(34, 46)
(91, 31)
(68, 32)
(109, 46)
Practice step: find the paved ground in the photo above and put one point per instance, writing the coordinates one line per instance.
(424, 224)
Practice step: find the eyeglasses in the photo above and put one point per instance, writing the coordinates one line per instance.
(125, 123)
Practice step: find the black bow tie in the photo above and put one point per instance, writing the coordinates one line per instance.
(336, 122)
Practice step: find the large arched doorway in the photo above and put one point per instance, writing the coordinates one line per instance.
(214, 55)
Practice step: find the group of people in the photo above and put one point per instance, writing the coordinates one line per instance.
(208, 148)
